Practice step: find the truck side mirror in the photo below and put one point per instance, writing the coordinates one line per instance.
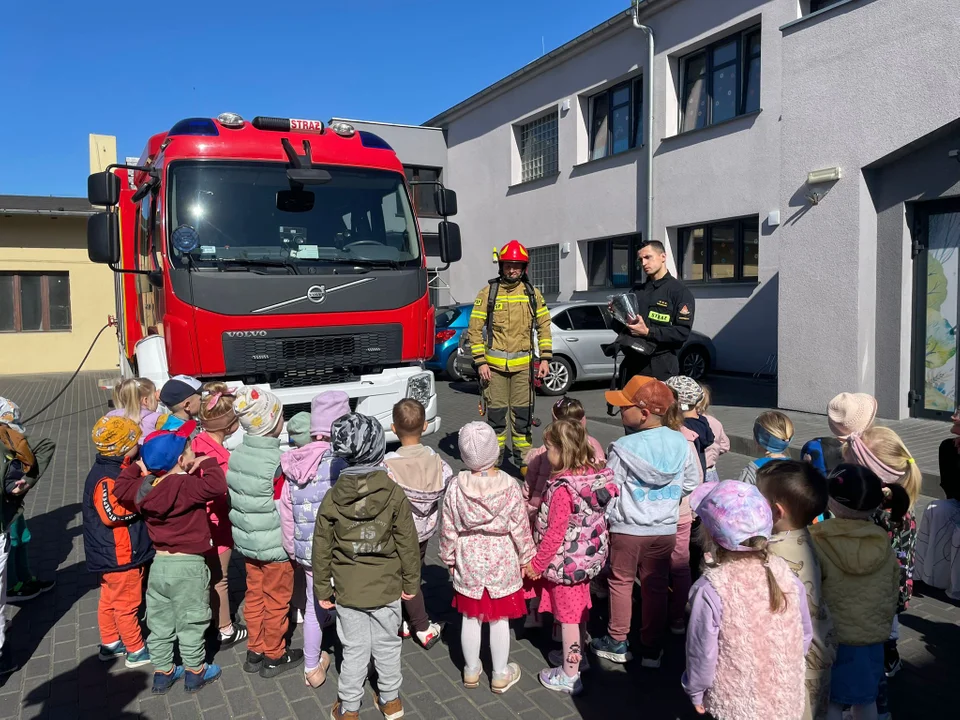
(446, 201)
(103, 188)
(103, 237)
(450, 249)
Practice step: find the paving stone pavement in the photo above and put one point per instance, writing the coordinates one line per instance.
(54, 638)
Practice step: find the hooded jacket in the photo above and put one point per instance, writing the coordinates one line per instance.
(423, 475)
(174, 507)
(218, 511)
(12, 505)
(253, 510)
(485, 535)
(654, 469)
(861, 578)
(365, 541)
(309, 472)
(114, 538)
(702, 437)
(721, 443)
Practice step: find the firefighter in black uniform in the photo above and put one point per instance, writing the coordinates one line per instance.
(666, 318)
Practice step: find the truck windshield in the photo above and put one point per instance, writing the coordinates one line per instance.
(242, 212)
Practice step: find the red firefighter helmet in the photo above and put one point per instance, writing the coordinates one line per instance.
(513, 251)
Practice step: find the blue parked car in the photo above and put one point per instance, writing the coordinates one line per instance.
(452, 322)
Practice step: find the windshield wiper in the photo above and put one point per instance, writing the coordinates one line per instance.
(260, 262)
(364, 262)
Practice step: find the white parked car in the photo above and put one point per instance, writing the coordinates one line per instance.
(579, 329)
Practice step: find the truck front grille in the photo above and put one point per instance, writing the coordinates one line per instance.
(312, 356)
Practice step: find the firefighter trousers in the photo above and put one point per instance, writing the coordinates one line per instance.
(510, 393)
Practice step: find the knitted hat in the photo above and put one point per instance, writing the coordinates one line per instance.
(10, 415)
(358, 439)
(643, 392)
(298, 429)
(689, 393)
(259, 410)
(733, 512)
(479, 448)
(162, 449)
(855, 492)
(325, 408)
(177, 389)
(115, 436)
(851, 414)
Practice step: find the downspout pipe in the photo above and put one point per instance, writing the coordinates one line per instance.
(648, 120)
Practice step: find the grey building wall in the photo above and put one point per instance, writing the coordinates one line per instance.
(860, 82)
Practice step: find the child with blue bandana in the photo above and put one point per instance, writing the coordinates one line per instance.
(773, 432)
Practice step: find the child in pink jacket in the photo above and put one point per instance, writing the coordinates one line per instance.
(485, 541)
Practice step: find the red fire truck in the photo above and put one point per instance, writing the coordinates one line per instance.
(276, 252)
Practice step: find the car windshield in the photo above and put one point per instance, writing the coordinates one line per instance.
(248, 212)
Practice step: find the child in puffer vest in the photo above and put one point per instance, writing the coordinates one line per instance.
(310, 471)
(572, 539)
(861, 579)
(423, 477)
(749, 623)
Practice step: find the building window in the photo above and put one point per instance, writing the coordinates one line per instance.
(616, 123)
(612, 263)
(816, 5)
(721, 81)
(544, 269)
(727, 251)
(424, 200)
(538, 148)
(34, 302)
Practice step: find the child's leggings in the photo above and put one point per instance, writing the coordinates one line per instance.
(314, 619)
(574, 639)
(499, 643)
(680, 575)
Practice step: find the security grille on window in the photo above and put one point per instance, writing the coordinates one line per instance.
(727, 251)
(544, 269)
(538, 148)
(721, 81)
(34, 302)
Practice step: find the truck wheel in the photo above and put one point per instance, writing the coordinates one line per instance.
(559, 378)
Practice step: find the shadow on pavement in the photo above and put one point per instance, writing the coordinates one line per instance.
(61, 696)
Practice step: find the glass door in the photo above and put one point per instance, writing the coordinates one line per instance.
(936, 310)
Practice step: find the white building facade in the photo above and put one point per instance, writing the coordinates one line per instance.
(828, 282)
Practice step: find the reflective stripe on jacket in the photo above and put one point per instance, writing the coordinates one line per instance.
(509, 347)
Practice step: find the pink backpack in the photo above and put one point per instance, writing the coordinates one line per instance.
(585, 545)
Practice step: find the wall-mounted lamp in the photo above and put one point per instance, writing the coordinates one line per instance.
(823, 176)
(773, 218)
(565, 249)
(565, 105)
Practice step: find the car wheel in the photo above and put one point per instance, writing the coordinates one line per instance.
(559, 378)
(695, 362)
(452, 371)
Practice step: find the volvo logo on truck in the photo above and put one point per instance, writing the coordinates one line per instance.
(316, 293)
(246, 333)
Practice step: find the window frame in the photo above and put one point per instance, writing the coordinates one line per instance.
(44, 301)
(635, 87)
(740, 224)
(633, 247)
(412, 174)
(741, 62)
(549, 161)
(553, 289)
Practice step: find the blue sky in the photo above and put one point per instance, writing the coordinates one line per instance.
(131, 69)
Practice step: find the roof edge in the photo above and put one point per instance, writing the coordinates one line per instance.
(541, 64)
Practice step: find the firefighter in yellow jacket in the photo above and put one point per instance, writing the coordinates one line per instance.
(511, 312)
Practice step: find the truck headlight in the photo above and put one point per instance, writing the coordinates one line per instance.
(420, 388)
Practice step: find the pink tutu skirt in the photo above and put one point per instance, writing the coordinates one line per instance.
(488, 609)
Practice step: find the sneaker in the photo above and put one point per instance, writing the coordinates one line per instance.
(392, 709)
(196, 679)
(163, 681)
(315, 677)
(650, 657)
(557, 680)
(111, 652)
(138, 659)
(609, 649)
(22, 591)
(429, 637)
(289, 660)
(43, 585)
(471, 678)
(891, 659)
(338, 713)
(678, 628)
(404, 630)
(504, 681)
(253, 662)
(239, 634)
(555, 658)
